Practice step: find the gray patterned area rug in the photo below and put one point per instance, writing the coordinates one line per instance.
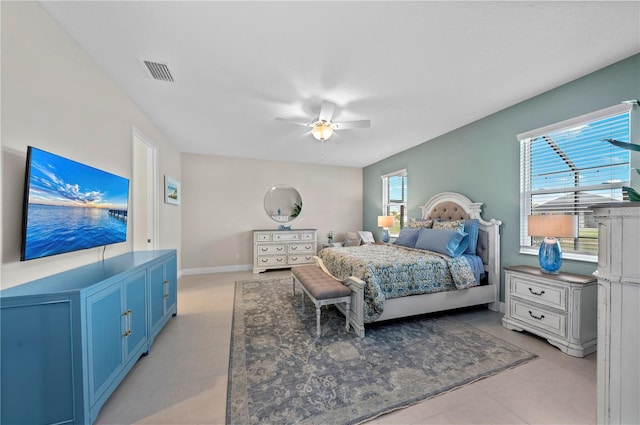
(281, 373)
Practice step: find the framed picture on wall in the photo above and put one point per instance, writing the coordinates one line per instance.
(172, 193)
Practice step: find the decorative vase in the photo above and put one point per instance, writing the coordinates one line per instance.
(329, 241)
(550, 255)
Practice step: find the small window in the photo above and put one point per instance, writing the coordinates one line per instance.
(394, 199)
(569, 166)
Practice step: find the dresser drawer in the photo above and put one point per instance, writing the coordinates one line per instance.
(263, 237)
(286, 236)
(300, 259)
(308, 236)
(271, 249)
(299, 248)
(540, 317)
(272, 260)
(530, 289)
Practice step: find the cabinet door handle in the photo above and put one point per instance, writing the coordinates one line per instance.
(536, 317)
(536, 293)
(166, 289)
(127, 322)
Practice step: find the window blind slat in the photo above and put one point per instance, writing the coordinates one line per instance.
(568, 167)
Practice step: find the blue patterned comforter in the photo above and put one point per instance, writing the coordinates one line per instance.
(391, 271)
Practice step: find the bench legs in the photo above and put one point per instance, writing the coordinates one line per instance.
(320, 303)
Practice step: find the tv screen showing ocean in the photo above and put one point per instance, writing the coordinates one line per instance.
(57, 229)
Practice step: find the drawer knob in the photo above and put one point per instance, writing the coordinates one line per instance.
(536, 317)
(536, 293)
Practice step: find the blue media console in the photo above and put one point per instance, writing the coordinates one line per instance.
(68, 340)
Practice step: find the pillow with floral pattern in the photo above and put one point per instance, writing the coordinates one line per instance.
(449, 225)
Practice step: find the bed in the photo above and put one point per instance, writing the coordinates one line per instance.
(375, 273)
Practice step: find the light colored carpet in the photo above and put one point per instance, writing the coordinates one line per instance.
(281, 373)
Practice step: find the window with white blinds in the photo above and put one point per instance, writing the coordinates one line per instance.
(394, 199)
(567, 167)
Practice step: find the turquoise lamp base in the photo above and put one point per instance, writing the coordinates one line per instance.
(550, 256)
(385, 235)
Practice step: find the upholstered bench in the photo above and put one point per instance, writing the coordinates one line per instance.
(322, 289)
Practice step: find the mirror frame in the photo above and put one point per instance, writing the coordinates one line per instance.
(283, 203)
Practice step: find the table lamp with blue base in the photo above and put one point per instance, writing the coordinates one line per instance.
(551, 227)
(386, 221)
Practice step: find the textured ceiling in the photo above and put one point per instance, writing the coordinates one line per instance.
(415, 69)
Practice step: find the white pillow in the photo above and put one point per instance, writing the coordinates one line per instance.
(367, 237)
(352, 239)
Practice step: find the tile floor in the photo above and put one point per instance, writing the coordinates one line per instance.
(183, 380)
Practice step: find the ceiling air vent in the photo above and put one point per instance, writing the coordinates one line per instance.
(158, 70)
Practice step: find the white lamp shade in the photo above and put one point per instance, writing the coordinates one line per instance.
(386, 220)
(556, 226)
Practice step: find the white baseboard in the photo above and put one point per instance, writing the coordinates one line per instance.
(219, 269)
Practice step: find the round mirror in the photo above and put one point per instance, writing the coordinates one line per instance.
(283, 203)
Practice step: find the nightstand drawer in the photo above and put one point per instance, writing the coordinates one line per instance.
(271, 249)
(530, 289)
(540, 317)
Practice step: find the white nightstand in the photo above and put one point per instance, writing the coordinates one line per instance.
(561, 308)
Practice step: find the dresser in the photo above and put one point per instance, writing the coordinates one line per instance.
(275, 249)
(618, 312)
(561, 308)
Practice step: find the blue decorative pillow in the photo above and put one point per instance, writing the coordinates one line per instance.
(471, 228)
(407, 237)
(443, 241)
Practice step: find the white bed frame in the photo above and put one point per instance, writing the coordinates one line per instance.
(430, 303)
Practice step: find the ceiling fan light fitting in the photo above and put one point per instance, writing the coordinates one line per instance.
(322, 130)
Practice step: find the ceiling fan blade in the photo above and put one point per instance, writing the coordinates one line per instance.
(306, 124)
(326, 111)
(351, 124)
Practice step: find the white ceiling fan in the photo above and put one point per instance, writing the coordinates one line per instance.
(322, 128)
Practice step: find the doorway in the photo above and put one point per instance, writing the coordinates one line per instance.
(144, 184)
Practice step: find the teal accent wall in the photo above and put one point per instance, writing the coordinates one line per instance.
(482, 160)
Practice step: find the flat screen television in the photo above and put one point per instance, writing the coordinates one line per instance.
(69, 206)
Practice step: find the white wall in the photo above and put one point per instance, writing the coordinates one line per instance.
(56, 98)
(222, 201)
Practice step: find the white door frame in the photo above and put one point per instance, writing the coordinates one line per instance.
(151, 177)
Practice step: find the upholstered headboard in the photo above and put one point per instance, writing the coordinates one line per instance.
(455, 206)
